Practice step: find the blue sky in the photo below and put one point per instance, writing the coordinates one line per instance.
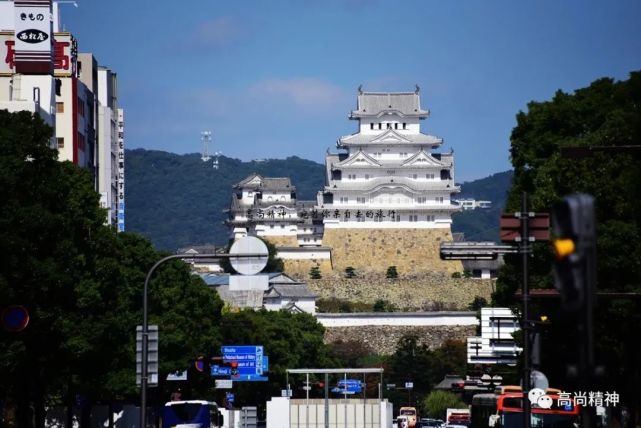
(275, 78)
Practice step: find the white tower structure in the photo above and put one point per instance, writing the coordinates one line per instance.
(387, 185)
(205, 138)
(387, 175)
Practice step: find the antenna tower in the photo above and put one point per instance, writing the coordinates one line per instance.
(205, 137)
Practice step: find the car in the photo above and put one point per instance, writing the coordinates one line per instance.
(429, 422)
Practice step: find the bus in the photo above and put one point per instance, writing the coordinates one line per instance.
(506, 411)
(190, 413)
(410, 412)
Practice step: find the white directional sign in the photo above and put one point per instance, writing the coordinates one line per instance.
(224, 384)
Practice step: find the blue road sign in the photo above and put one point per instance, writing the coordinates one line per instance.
(249, 378)
(249, 359)
(219, 371)
(230, 396)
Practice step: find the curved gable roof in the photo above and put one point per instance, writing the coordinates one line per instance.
(359, 157)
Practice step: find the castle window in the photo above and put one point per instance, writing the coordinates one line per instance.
(430, 218)
(371, 125)
(438, 199)
(380, 125)
(396, 126)
(366, 176)
(414, 176)
(422, 199)
(360, 200)
(389, 125)
(404, 125)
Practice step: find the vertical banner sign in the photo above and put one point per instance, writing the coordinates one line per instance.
(7, 53)
(121, 170)
(33, 36)
(65, 55)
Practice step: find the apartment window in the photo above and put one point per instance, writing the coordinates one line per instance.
(81, 107)
(60, 107)
(61, 142)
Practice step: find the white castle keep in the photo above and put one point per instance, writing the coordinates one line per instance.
(387, 200)
(386, 175)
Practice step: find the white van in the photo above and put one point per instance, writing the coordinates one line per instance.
(402, 421)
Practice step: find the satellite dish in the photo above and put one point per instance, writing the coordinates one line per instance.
(248, 265)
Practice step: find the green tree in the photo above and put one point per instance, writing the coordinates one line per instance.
(81, 282)
(435, 405)
(391, 273)
(314, 273)
(603, 115)
(478, 303)
(350, 272)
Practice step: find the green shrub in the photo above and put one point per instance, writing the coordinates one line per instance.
(391, 273)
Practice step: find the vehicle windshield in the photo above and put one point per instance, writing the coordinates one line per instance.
(538, 420)
(408, 412)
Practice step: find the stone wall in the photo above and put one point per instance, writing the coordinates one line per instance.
(282, 240)
(408, 293)
(299, 269)
(412, 251)
(384, 339)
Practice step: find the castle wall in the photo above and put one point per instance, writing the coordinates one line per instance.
(425, 292)
(384, 339)
(412, 251)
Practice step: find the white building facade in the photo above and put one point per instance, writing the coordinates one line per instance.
(386, 175)
(267, 207)
(42, 72)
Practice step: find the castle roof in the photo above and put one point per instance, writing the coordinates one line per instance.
(258, 182)
(390, 136)
(375, 104)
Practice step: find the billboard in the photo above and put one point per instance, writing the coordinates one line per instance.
(33, 36)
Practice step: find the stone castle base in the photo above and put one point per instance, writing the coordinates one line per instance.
(424, 292)
(383, 340)
(281, 240)
(299, 269)
(412, 251)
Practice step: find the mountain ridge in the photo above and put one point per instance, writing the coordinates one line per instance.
(179, 200)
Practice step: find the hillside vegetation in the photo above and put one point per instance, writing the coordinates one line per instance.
(179, 200)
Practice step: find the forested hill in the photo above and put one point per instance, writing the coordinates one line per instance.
(179, 200)
(483, 224)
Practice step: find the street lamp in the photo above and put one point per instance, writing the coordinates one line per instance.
(145, 324)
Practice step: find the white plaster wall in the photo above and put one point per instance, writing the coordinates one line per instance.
(312, 253)
(278, 412)
(397, 319)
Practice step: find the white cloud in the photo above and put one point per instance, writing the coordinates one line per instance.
(310, 94)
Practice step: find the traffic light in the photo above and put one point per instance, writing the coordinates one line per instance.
(574, 247)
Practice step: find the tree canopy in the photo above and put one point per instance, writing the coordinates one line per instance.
(604, 115)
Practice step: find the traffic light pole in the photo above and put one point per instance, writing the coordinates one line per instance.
(524, 247)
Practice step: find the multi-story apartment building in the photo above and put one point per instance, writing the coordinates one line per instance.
(42, 72)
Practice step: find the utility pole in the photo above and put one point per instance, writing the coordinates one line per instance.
(524, 249)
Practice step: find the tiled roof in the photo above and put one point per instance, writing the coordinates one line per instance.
(256, 181)
(289, 290)
(367, 139)
(375, 103)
